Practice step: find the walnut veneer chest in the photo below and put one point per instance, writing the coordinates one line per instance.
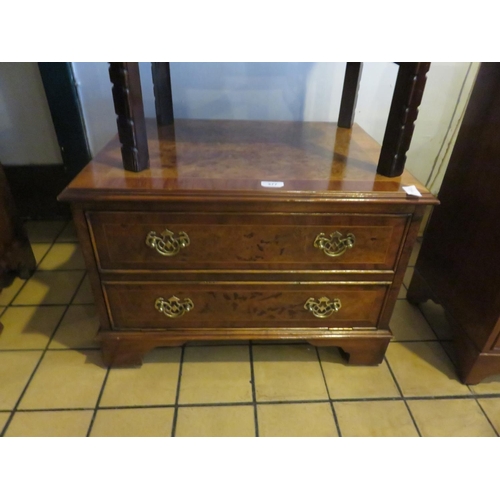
(246, 230)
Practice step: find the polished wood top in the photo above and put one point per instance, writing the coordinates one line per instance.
(210, 158)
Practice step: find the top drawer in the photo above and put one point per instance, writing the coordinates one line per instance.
(177, 241)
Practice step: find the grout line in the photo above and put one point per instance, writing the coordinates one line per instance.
(178, 391)
(4, 428)
(35, 410)
(248, 403)
(440, 340)
(47, 305)
(334, 413)
(205, 405)
(33, 374)
(404, 399)
(254, 396)
(53, 348)
(45, 350)
(96, 407)
(292, 402)
(487, 418)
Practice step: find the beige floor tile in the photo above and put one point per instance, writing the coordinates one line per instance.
(15, 371)
(408, 276)
(374, 419)
(44, 231)
(492, 409)
(489, 385)
(7, 294)
(49, 287)
(154, 383)
(216, 375)
(134, 422)
(450, 417)
(402, 292)
(288, 372)
(68, 234)
(78, 329)
(216, 421)
(65, 379)
(424, 369)
(63, 257)
(296, 420)
(353, 382)
(414, 253)
(436, 317)
(407, 323)
(84, 294)
(50, 424)
(39, 250)
(29, 327)
(4, 416)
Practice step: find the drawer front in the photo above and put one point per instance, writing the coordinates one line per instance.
(164, 305)
(139, 241)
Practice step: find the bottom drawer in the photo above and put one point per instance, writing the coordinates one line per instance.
(163, 305)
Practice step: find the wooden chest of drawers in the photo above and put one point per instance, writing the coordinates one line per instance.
(246, 230)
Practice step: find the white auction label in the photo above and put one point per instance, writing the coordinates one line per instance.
(272, 184)
(412, 190)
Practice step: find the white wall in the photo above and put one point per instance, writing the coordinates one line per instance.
(294, 91)
(27, 134)
(94, 90)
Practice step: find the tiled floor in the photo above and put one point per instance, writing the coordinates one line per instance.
(52, 381)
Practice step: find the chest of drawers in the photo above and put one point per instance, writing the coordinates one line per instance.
(246, 230)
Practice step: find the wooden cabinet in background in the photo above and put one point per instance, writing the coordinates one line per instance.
(16, 255)
(459, 262)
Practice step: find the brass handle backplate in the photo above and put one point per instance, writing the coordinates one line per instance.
(335, 244)
(167, 244)
(322, 308)
(173, 307)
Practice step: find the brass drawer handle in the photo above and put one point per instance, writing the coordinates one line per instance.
(173, 307)
(334, 245)
(167, 244)
(323, 308)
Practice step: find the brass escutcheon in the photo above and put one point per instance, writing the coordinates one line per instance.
(173, 307)
(335, 244)
(167, 244)
(323, 308)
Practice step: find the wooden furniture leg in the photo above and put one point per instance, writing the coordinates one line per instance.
(357, 351)
(418, 291)
(129, 349)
